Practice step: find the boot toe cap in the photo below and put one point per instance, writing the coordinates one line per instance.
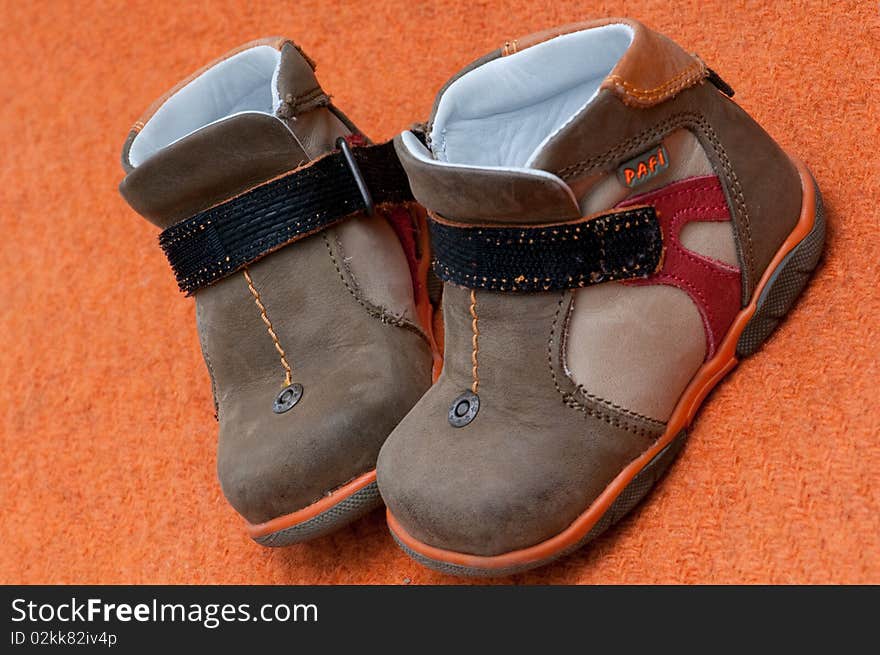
(472, 490)
(509, 480)
(271, 465)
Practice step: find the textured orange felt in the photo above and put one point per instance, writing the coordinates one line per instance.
(106, 430)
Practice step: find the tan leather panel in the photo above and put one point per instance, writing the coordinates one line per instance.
(635, 346)
(686, 159)
(645, 368)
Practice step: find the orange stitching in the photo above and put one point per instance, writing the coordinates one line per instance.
(288, 374)
(696, 67)
(633, 95)
(475, 342)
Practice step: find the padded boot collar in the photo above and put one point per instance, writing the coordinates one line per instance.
(184, 178)
(253, 114)
(489, 152)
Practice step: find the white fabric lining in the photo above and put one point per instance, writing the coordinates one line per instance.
(245, 82)
(503, 113)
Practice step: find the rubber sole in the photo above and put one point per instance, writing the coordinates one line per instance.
(336, 510)
(779, 289)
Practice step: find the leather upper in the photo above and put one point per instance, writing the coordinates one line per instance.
(573, 386)
(336, 308)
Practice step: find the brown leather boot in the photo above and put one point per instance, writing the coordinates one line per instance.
(614, 234)
(309, 311)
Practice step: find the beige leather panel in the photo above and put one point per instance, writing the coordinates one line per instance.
(713, 240)
(635, 346)
(638, 347)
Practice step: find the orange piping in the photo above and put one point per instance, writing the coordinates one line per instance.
(300, 516)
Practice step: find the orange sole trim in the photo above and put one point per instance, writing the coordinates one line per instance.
(709, 375)
(311, 511)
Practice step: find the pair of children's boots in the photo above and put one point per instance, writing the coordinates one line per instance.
(502, 322)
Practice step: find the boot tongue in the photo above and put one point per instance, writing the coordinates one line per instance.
(304, 107)
(248, 117)
(294, 83)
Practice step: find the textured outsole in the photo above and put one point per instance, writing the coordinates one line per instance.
(347, 510)
(777, 298)
(785, 286)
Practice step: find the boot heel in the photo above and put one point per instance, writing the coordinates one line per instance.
(785, 286)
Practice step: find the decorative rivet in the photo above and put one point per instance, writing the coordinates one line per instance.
(464, 409)
(289, 396)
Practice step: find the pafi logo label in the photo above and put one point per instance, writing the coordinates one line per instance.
(642, 168)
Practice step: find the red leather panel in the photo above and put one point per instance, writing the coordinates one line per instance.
(713, 285)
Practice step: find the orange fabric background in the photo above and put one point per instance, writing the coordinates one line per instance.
(107, 437)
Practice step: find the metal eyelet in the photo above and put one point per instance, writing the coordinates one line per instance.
(287, 398)
(464, 409)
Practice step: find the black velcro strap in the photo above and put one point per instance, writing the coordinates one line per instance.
(619, 245)
(221, 240)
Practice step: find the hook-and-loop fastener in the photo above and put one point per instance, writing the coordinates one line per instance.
(223, 239)
(616, 245)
